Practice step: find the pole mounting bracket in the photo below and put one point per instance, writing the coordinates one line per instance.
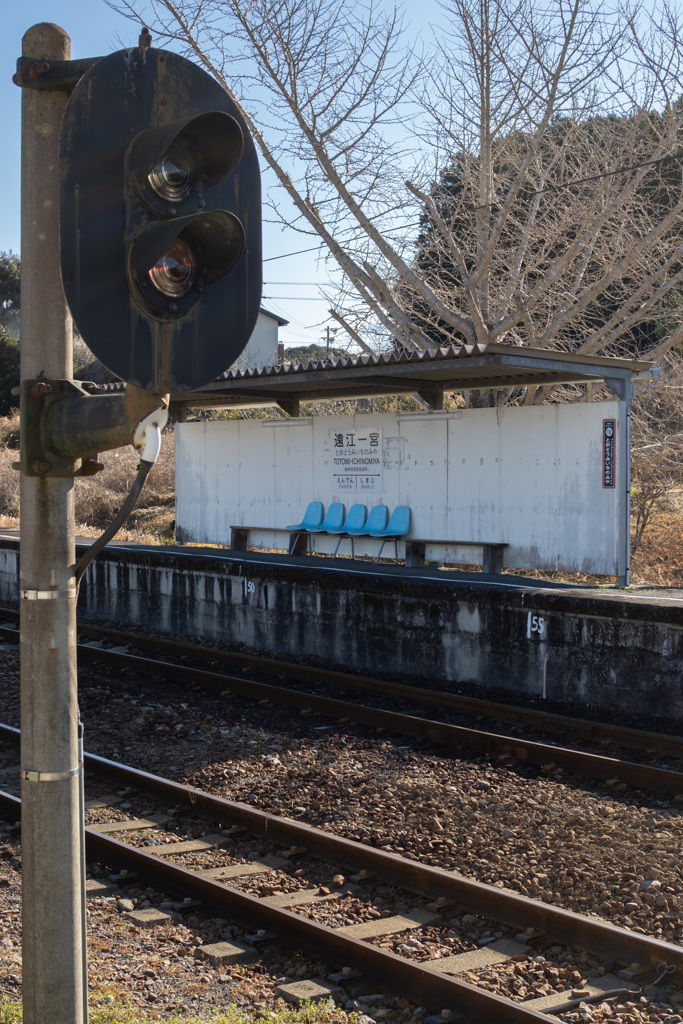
(64, 426)
(48, 595)
(33, 73)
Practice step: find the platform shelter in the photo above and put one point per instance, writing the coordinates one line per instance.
(549, 483)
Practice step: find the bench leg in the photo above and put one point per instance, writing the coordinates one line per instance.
(415, 554)
(239, 539)
(493, 558)
(395, 542)
(298, 542)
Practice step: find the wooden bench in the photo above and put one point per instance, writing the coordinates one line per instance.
(493, 552)
(239, 538)
(492, 558)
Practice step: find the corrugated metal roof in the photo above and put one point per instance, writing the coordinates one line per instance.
(430, 372)
(432, 355)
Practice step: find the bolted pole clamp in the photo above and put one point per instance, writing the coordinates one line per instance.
(33, 776)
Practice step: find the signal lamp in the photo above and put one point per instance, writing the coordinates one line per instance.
(160, 220)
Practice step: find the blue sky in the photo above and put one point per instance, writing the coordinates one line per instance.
(289, 284)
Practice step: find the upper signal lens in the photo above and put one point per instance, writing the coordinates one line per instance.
(174, 176)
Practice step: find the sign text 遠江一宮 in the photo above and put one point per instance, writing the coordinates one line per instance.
(356, 458)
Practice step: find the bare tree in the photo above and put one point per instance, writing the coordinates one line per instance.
(657, 448)
(556, 221)
(559, 223)
(322, 85)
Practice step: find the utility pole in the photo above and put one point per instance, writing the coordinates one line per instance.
(329, 336)
(54, 982)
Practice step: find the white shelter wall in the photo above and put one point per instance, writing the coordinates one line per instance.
(531, 477)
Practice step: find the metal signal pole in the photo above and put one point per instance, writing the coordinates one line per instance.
(204, 218)
(54, 982)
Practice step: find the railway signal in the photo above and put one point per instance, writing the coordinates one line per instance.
(160, 220)
(158, 213)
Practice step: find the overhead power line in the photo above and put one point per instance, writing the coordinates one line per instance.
(285, 255)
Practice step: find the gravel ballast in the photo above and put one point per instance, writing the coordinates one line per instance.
(593, 848)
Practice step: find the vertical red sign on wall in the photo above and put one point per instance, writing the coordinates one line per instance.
(609, 449)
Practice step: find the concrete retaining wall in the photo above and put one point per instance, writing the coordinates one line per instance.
(604, 649)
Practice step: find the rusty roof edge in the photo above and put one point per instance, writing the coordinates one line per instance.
(463, 352)
(442, 354)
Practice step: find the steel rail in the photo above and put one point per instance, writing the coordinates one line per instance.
(455, 736)
(599, 732)
(414, 981)
(503, 905)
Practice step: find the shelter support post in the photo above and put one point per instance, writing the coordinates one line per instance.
(622, 386)
(290, 406)
(624, 576)
(433, 397)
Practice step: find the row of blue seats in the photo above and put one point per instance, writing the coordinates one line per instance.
(358, 522)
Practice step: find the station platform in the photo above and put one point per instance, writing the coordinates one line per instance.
(603, 646)
(505, 580)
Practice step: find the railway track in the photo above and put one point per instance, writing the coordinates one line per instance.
(550, 757)
(434, 984)
(606, 735)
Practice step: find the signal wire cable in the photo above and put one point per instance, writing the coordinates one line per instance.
(147, 460)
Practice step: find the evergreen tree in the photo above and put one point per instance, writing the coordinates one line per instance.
(9, 371)
(10, 271)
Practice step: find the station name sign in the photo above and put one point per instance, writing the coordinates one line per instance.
(356, 460)
(609, 449)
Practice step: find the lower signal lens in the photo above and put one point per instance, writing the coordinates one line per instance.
(175, 273)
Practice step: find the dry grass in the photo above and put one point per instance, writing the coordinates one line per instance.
(122, 1012)
(99, 498)
(659, 559)
(9, 453)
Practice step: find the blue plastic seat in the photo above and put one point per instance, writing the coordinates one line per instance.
(334, 517)
(355, 520)
(313, 518)
(377, 520)
(398, 526)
